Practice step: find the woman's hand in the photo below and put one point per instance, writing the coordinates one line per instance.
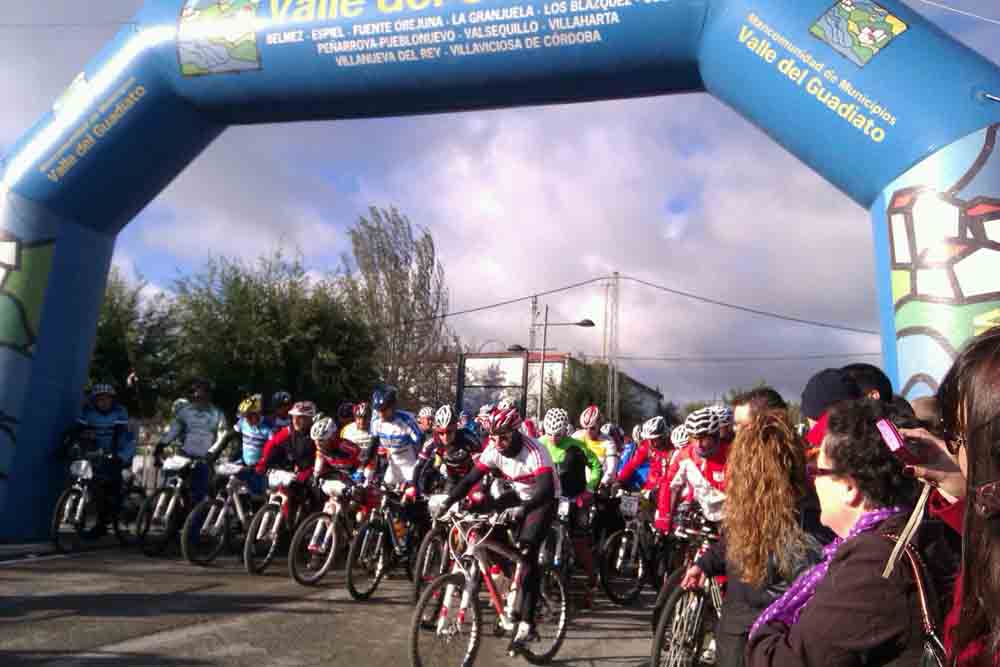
(693, 578)
(940, 469)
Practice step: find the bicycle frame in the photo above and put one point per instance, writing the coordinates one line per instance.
(231, 497)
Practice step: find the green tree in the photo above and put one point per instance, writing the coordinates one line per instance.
(258, 327)
(395, 283)
(586, 384)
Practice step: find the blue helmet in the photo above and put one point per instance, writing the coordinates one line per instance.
(384, 396)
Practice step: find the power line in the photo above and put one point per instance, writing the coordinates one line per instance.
(956, 10)
(755, 311)
(724, 360)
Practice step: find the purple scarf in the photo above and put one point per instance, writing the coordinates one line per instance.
(789, 606)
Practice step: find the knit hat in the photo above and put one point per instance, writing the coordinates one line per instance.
(826, 388)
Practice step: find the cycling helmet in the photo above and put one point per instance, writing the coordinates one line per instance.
(483, 418)
(590, 417)
(361, 409)
(486, 409)
(345, 410)
(556, 422)
(502, 422)
(637, 433)
(679, 436)
(251, 405)
(530, 428)
(179, 405)
(426, 412)
(654, 428)
(444, 417)
(384, 397)
(281, 398)
(705, 421)
(323, 429)
(613, 431)
(102, 390)
(725, 414)
(463, 418)
(303, 409)
(506, 403)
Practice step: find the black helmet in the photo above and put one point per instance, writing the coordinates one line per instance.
(384, 396)
(345, 410)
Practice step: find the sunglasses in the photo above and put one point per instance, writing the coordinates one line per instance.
(814, 471)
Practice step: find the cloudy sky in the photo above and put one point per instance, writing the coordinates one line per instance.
(675, 190)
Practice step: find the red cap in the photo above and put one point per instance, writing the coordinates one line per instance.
(816, 434)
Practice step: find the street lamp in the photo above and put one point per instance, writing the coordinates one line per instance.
(545, 339)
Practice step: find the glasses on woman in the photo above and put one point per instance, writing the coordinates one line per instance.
(814, 470)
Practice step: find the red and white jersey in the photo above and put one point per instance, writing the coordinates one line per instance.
(704, 478)
(523, 470)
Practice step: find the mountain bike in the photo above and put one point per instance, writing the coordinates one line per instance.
(448, 624)
(325, 535)
(686, 621)
(80, 512)
(164, 512)
(221, 522)
(275, 521)
(637, 556)
(383, 542)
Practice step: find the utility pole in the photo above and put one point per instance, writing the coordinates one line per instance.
(611, 351)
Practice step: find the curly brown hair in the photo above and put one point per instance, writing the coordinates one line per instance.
(765, 479)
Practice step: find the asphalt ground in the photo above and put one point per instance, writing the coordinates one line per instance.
(116, 608)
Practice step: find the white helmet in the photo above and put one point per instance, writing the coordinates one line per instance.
(655, 427)
(590, 417)
(323, 429)
(706, 421)
(506, 403)
(679, 436)
(444, 417)
(426, 412)
(725, 414)
(556, 422)
(637, 433)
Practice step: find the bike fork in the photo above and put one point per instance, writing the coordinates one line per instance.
(81, 505)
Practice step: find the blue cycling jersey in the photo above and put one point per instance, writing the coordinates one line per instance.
(642, 473)
(254, 438)
(104, 423)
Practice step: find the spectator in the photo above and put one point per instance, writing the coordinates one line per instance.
(967, 465)
(873, 382)
(755, 402)
(768, 536)
(823, 390)
(842, 611)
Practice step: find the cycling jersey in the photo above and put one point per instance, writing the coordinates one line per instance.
(359, 436)
(658, 462)
(705, 478)
(254, 438)
(288, 448)
(201, 429)
(341, 456)
(104, 424)
(402, 439)
(557, 450)
(605, 448)
(521, 470)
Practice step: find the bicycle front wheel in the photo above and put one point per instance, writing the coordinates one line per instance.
(621, 566)
(368, 560)
(684, 636)
(442, 633)
(313, 550)
(205, 531)
(433, 559)
(551, 618)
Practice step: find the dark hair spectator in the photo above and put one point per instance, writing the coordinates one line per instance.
(843, 611)
(969, 400)
(873, 381)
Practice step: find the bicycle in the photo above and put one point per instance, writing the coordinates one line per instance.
(449, 610)
(557, 551)
(272, 522)
(636, 556)
(685, 627)
(386, 540)
(77, 517)
(210, 526)
(164, 512)
(324, 535)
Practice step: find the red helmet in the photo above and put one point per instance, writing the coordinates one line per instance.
(502, 422)
(591, 417)
(361, 409)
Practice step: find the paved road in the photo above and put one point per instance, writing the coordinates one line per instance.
(121, 608)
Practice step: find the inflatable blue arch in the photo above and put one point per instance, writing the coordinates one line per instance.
(887, 107)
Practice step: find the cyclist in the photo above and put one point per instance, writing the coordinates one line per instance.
(335, 456)
(255, 432)
(398, 433)
(345, 415)
(202, 429)
(425, 419)
(656, 449)
(454, 447)
(641, 473)
(292, 448)
(727, 428)
(575, 464)
(603, 446)
(281, 403)
(103, 423)
(359, 433)
(527, 465)
(699, 469)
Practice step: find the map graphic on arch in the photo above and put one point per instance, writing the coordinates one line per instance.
(24, 275)
(858, 29)
(218, 36)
